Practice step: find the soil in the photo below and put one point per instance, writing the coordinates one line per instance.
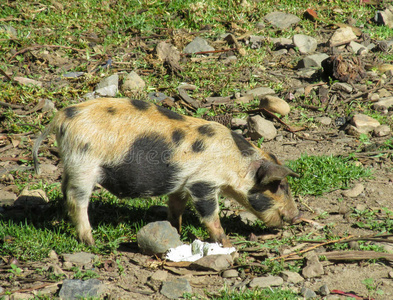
(317, 139)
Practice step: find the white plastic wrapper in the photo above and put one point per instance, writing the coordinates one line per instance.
(196, 250)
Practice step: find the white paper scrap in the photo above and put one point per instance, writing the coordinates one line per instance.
(196, 250)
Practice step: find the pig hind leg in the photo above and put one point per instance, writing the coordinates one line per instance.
(176, 205)
(205, 198)
(77, 187)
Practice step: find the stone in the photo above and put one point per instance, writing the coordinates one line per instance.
(176, 288)
(385, 17)
(314, 60)
(20, 296)
(245, 99)
(159, 275)
(313, 267)
(217, 262)
(237, 122)
(307, 293)
(324, 120)
(157, 238)
(159, 97)
(281, 20)
(342, 36)
(261, 128)
(247, 218)
(305, 43)
(108, 87)
(257, 41)
(232, 273)
(73, 74)
(52, 255)
(133, 82)
(198, 45)
(342, 86)
(324, 290)
(353, 131)
(76, 289)
(48, 169)
(7, 198)
(291, 277)
(275, 105)
(364, 123)
(267, 281)
(27, 81)
(382, 130)
(280, 52)
(355, 191)
(260, 92)
(56, 270)
(357, 48)
(31, 198)
(307, 73)
(383, 103)
(79, 258)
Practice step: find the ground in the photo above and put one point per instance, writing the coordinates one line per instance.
(30, 230)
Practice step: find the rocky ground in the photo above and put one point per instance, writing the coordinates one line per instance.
(321, 78)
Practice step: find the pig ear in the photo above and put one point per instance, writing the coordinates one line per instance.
(269, 171)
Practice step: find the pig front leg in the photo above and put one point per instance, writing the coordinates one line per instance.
(205, 198)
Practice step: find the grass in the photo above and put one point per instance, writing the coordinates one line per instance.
(323, 174)
(128, 32)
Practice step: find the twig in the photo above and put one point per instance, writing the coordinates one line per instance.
(11, 105)
(367, 92)
(312, 248)
(208, 52)
(38, 287)
(42, 46)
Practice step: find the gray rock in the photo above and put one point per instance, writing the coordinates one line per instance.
(382, 130)
(75, 289)
(307, 293)
(291, 277)
(264, 282)
(158, 237)
(324, 290)
(313, 267)
(306, 73)
(247, 218)
(260, 92)
(232, 273)
(237, 122)
(341, 86)
(218, 262)
(305, 43)
(383, 103)
(282, 42)
(31, 198)
(159, 275)
(280, 52)
(52, 255)
(364, 123)
(20, 296)
(108, 87)
(259, 127)
(342, 36)
(47, 168)
(324, 120)
(355, 191)
(275, 105)
(385, 17)
(356, 47)
(176, 288)
(27, 81)
(80, 258)
(133, 82)
(198, 45)
(73, 74)
(314, 60)
(7, 198)
(48, 106)
(257, 41)
(281, 20)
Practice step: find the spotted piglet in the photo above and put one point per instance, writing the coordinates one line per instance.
(137, 149)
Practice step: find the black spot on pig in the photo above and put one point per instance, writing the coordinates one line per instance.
(198, 146)
(62, 130)
(207, 130)
(140, 105)
(260, 202)
(178, 136)
(202, 189)
(146, 170)
(71, 112)
(245, 148)
(273, 157)
(169, 114)
(204, 198)
(111, 110)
